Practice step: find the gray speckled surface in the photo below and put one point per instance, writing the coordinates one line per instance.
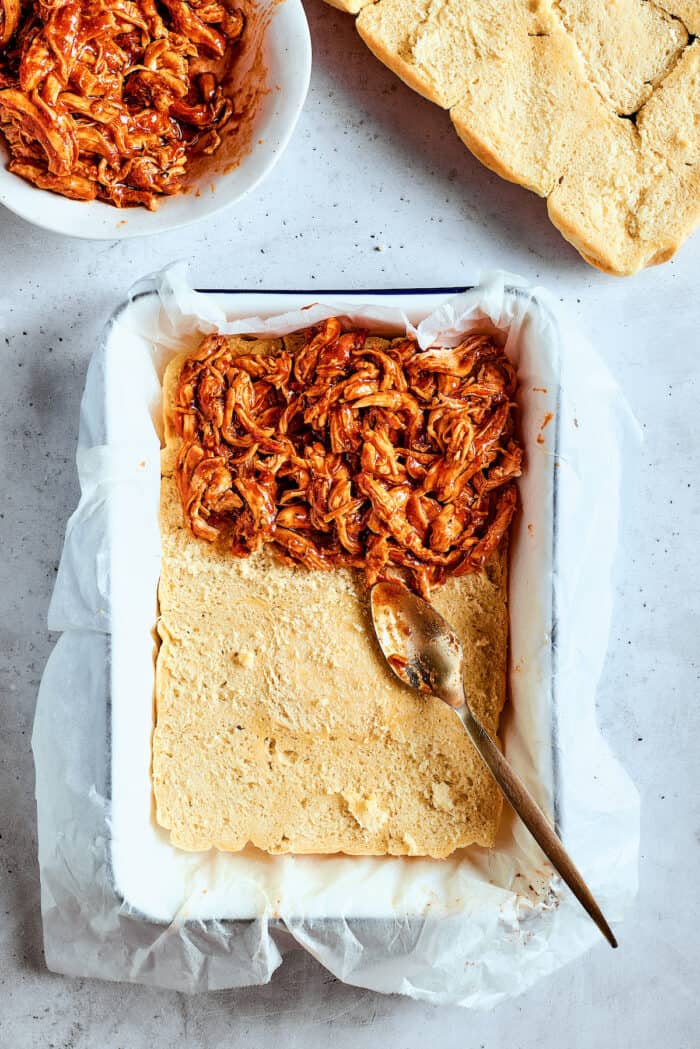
(371, 165)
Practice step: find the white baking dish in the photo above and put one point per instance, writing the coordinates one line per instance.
(161, 882)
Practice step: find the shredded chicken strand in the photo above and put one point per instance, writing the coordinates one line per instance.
(352, 452)
(110, 99)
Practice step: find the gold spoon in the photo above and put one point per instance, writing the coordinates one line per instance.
(425, 653)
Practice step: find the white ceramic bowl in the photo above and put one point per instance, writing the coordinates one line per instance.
(287, 53)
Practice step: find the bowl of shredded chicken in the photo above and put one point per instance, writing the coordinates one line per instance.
(127, 117)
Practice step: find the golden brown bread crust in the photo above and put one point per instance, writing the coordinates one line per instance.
(278, 722)
(538, 90)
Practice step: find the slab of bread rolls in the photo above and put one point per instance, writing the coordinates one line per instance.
(593, 104)
(278, 723)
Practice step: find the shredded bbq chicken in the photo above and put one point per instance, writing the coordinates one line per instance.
(393, 460)
(109, 99)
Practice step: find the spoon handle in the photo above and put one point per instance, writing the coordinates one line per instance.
(519, 797)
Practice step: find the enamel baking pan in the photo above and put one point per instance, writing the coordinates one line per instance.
(155, 881)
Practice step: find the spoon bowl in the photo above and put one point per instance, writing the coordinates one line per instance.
(419, 645)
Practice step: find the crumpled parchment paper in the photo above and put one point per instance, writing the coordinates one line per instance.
(471, 930)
